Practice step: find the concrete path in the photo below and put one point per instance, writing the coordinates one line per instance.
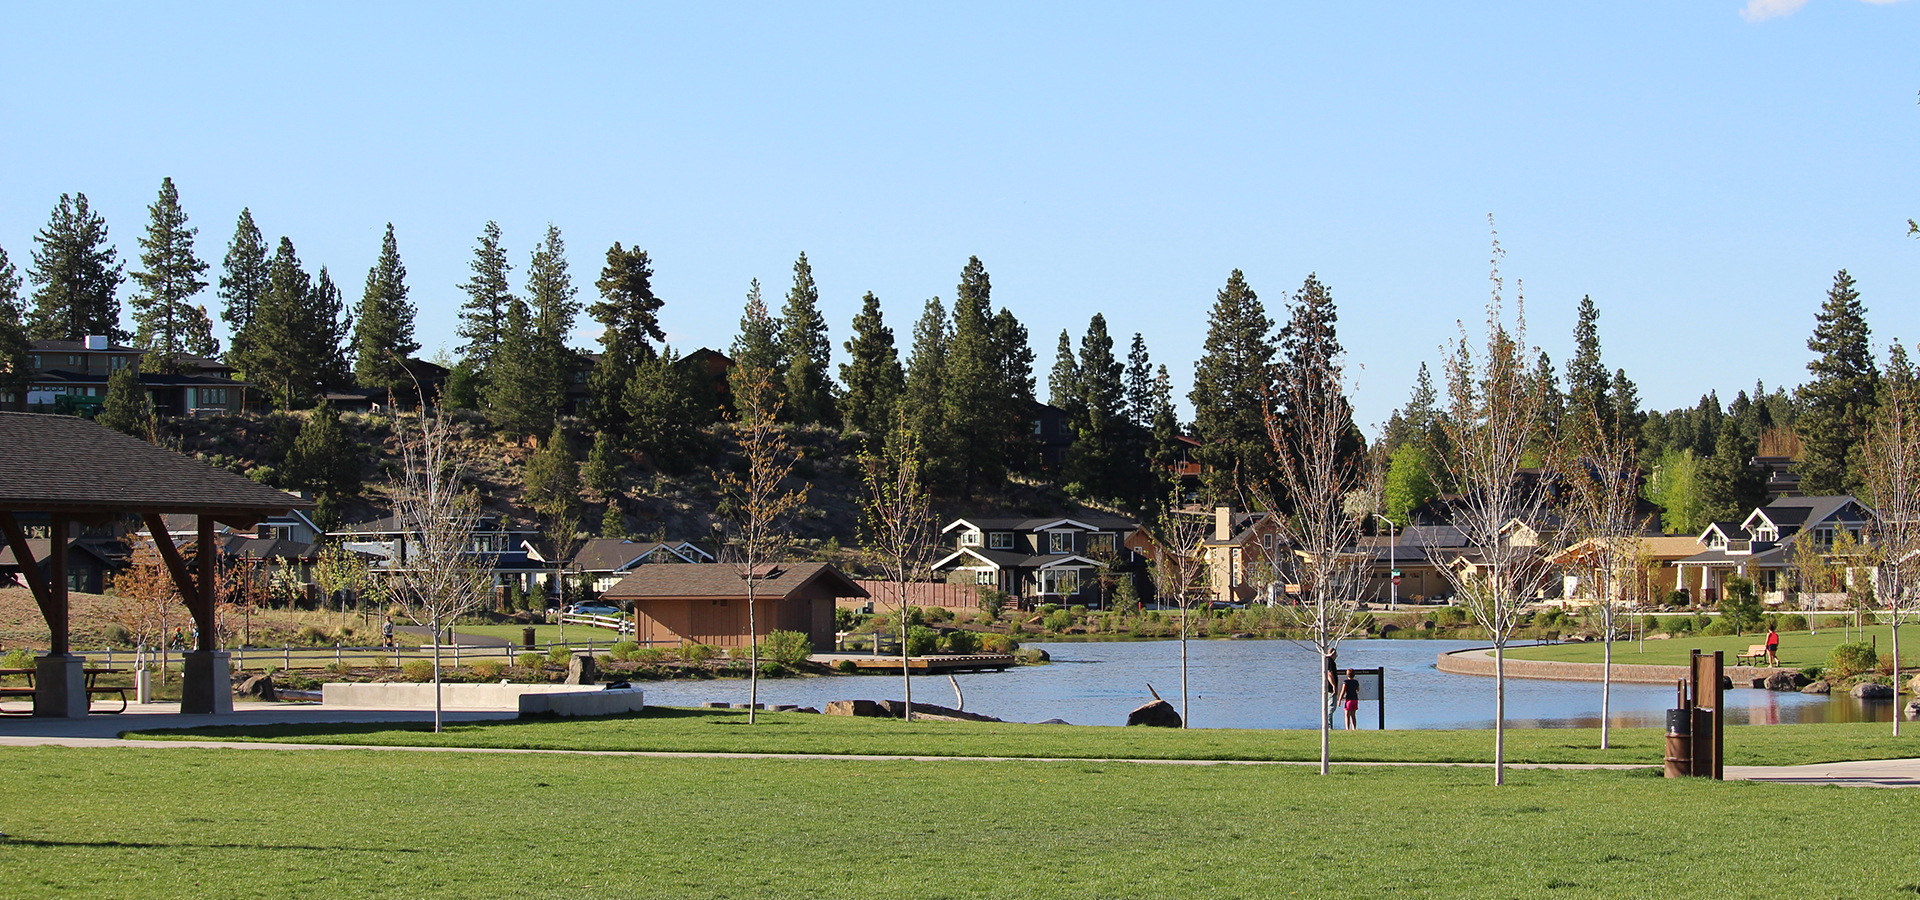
(103, 731)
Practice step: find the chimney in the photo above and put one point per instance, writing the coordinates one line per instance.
(1223, 523)
(96, 342)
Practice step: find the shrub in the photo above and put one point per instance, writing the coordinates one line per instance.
(992, 601)
(417, 669)
(788, 648)
(1740, 606)
(530, 660)
(1048, 608)
(17, 659)
(1793, 622)
(963, 642)
(1449, 616)
(1678, 598)
(559, 653)
(1058, 620)
(648, 656)
(1848, 660)
(488, 669)
(116, 634)
(312, 635)
(845, 667)
(1722, 626)
(738, 653)
(1077, 610)
(697, 654)
(939, 614)
(844, 619)
(771, 669)
(623, 650)
(339, 668)
(1679, 624)
(921, 640)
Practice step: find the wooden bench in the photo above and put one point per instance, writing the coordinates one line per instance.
(1755, 651)
(94, 688)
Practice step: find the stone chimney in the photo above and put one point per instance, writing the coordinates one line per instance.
(1223, 523)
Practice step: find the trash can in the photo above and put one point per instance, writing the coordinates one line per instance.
(526, 637)
(1679, 743)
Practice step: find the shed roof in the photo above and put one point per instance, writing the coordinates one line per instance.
(714, 581)
(68, 464)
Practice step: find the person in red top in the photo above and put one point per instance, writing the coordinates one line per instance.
(1773, 646)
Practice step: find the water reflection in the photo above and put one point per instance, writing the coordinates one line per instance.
(1272, 684)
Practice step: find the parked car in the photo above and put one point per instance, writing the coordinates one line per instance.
(592, 609)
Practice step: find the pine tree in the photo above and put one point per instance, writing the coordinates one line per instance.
(552, 478)
(14, 373)
(805, 350)
(1013, 403)
(1728, 488)
(76, 275)
(1097, 467)
(872, 375)
(1309, 368)
(1063, 385)
(1587, 400)
(1231, 384)
(276, 357)
(325, 461)
(1553, 408)
(924, 390)
(244, 283)
(602, 472)
(383, 336)
(513, 396)
(663, 402)
(1623, 400)
(171, 276)
(974, 401)
(328, 332)
(483, 317)
(607, 383)
(1839, 403)
(197, 333)
(1164, 444)
(551, 296)
(1139, 384)
(125, 408)
(613, 523)
(628, 309)
(756, 350)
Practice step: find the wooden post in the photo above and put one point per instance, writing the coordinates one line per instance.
(57, 585)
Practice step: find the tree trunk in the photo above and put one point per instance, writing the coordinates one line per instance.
(1500, 713)
(753, 655)
(1896, 672)
(436, 674)
(1326, 715)
(1185, 717)
(906, 674)
(1606, 685)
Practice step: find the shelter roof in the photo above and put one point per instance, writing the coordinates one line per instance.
(73, 465)
(713, 581)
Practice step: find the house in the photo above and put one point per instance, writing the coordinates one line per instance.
(498, 544)
(95, 551)
(1240, 549)
(285, 545)
(706, 603)
(1655, 567)
(430, 379)
(1763, 547)
(70, 377)
(607, 560)
(1042, 560)
(1052, 436)
(1418, 553)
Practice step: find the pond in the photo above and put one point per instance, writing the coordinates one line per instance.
(1270, 684)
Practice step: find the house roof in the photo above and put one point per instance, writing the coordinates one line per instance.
(713, 581)
(59, 346)
(42, 550)
(1091, 523)
(613, 554)
(1420, 537)
(266, 548)
(69, 464)
(1009, 559)
(390, 524)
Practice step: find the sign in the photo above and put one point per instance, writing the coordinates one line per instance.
(1396, 581)
(1396, 573)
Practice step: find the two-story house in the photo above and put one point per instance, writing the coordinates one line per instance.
(1045, 560)
(1763, 547)
(70, 377)
(499, 545)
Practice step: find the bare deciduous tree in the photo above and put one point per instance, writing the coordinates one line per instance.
(1495, 406)
(759, 505)
(440, 578)
(1893, 477)
(1602, 471)
(898, 526)
(1178, 565)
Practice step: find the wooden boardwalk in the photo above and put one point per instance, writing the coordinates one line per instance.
(975, 662)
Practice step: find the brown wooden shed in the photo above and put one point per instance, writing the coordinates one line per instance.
(706, 603)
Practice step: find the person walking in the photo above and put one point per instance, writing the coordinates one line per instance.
(1350, 698)
(386, 633)
(1773, 646)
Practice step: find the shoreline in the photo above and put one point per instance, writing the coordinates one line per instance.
(1479, 661)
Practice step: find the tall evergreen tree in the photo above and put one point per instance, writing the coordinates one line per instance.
(602, 471)
(14, 375)
(1063, 385)
(171, 275)
(1309, 368)
(1553, 407)
(628, 309)
(1139, 384)
(872, 377)
(1839, 403)
(1728, 487)
(1097, 465)
(607, 383)
(1165, 444)
(515, 397)
(383, 332)
(664, 403)
(1587, 400)
(278, 356)
(551, 296)
(805, 351)
(552, 478)
(1231, 384)
(244, 281)
(483, 317)
(325, 461)
(76, 276)
(972, 397)
(756, 351)
(1014, 404)
(197, 332)
(1623, 402)
(923, 394)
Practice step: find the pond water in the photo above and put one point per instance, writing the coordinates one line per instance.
(1270, 684)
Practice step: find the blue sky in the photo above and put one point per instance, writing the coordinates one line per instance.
(1701, 168)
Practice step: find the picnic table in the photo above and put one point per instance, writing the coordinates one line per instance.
(93, 686)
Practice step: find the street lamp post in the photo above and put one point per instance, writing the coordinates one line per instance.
(1393, 564)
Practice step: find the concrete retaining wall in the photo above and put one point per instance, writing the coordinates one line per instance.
(1480, 662)
(406, 695)
(583, 703)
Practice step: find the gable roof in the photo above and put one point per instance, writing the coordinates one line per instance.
(69, 464)
(614, 554)
(713, 581)
(1087, 523)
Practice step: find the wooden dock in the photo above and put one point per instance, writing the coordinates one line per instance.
(921, 665)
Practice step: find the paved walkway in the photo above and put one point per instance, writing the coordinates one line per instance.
(103, 731)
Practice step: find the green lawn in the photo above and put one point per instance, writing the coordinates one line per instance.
(542, 634)
(1798, 649)
(704, 730)
(198, 824)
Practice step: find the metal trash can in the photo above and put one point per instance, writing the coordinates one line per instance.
(526, 637)
(1679, 743)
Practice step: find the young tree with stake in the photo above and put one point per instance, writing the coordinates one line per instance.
(898, 525)
(1892, 456)
(759, 505)
(1178, 567)
(1602, 471)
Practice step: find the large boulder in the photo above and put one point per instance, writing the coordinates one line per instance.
(1913, 710)
(1785, 680)
(1818, 687)
(259, 687)
(863, 708)
(1158, 714)
(1867, 690)
(581, 669)
(898, 710)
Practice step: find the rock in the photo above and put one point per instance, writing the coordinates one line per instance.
(1245, 635)
(1659, 637)
(1785, 680)
(1388, 628)
(1054, 722)
(1031, 655)
(1913, 710)
(1158, 714)
(897, 710)
(1867, 690)
(863, 708)
(1818, 687)
(808, 709)
(785, 707)
(749, 706)
(717, 704)
(259, 687)
(581, 669)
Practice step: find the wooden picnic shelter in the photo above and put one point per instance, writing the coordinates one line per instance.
(70, 469)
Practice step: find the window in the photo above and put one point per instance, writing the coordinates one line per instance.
(1001, 540)
(211, 397)
(1059, 542)
(116, 363)
(1099, 543)
(1037, 425)
(33, 362)
(969, 538)
(76, 360)
(1267, 541)
(983, 576)
(1059, 581)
